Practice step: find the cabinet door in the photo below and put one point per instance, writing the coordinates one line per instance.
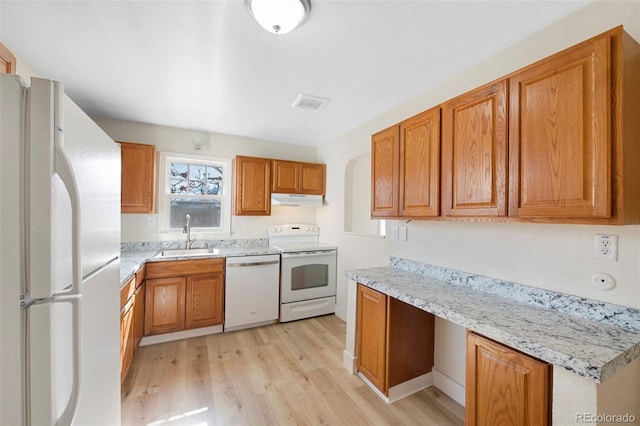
(410, 342)
(252, 186)
(371, 330)
(420, 165)
(164, 305)
(385, 173)
(138, 177)
(126, 339)
(504, 386)
(559, 137)
(7, 60)
(312, 178)
(138, 315)
(474, 152)
(286, 177)
(204, 304)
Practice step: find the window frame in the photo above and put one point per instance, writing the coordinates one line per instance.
(164, 194)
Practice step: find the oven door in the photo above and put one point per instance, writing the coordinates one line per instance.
(307, 275)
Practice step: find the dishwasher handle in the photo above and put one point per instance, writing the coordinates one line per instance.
(315, 253)
(243, 264)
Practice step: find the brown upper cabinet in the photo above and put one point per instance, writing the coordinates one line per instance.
(256, 178)
(252, 186)
(556, 142)
(405, 168)
(138, 177)
(474, 152)
(313, 178)
(573, 140)
(291, 177)
(385, 173)
(7, 60)
(286, 177)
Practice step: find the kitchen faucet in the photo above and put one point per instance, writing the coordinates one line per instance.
(187, 230)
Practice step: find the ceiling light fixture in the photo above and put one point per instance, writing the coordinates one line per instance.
(279, 16)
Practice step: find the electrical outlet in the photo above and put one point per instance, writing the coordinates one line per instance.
(606, 247)
(394, 232)
(151, 221)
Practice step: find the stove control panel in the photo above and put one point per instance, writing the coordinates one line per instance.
(295, 229)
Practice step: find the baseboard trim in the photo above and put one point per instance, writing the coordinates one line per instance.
(178, 335)
(349, 362)
(410, 387)
(450, 387)
(341, 312)
(402, 390)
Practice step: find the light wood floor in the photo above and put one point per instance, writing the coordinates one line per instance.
(283, 374)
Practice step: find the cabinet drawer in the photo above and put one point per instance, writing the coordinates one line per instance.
(127, 290)
(175, 268)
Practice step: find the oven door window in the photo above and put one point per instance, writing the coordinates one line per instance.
(309, 276)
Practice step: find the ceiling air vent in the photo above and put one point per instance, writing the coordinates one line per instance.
(310, 102)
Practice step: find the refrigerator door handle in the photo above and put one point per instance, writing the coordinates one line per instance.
(62, 166)
(69, 412)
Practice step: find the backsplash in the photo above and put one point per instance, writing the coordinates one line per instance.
(167, 245)
(594, 310)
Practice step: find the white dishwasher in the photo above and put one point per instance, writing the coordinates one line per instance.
(252, 291)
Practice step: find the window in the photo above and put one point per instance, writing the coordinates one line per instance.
(198, 186)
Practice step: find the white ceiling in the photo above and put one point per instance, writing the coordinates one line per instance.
(207, 65)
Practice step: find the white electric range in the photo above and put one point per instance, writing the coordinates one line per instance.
(307, 271)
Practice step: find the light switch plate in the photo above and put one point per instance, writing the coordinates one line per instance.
(394, 232)
(403, 233)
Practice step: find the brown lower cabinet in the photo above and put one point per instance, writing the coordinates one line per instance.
(126, 339)
(504, 386)
(394, 339)
(131, 319)
(183, 294)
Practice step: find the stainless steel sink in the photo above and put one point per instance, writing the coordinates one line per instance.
(190, 252)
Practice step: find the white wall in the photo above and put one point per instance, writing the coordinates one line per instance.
(556, 257)
(170, 139)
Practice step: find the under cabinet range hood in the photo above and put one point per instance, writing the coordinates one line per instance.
(296, 200)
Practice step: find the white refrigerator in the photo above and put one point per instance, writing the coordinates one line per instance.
(59, 260)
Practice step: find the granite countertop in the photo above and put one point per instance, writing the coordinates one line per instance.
(591, 338)
(132, 260)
